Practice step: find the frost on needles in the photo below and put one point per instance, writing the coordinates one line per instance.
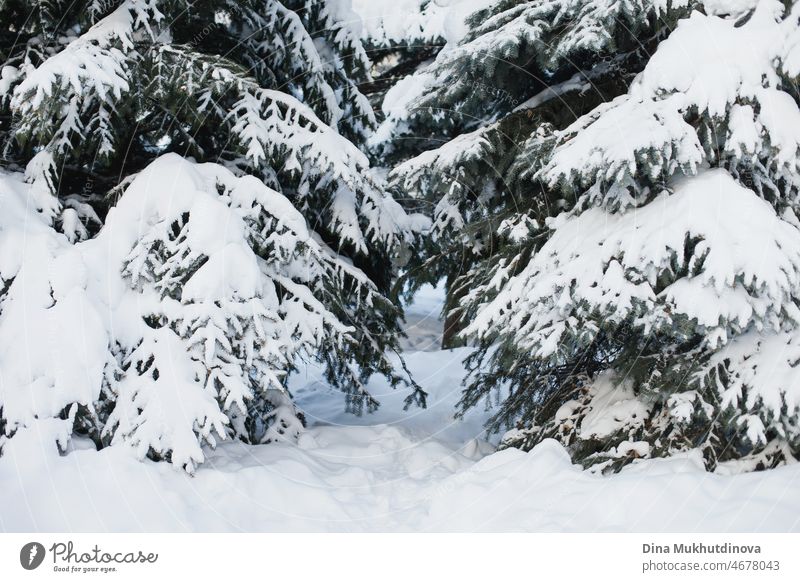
(634, 280)
(186, 218)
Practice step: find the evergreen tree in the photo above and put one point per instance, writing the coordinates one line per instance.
(632, 277)
(523, 68)
(213, 276)
(104, 88)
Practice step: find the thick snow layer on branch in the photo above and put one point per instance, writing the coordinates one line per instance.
(53, 344)
(709, 75)
(624, 138)
(388, 22)
(509, 54)
(615, 264)
(712, 62)
(89, 65)
(462, 148)
(763, 376)
(167, 412)
(90, 75)
(126, 70)
(613, 406)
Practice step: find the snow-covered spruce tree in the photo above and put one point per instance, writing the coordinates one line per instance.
(658, 311)
(178, 323)
(523, 69)
(106, 86)
(566, 353)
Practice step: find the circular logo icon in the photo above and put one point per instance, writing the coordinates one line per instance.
(31, 555)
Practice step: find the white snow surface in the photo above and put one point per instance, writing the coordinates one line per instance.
(390, 471)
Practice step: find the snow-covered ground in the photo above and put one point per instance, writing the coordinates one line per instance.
(423, 321)
(419, 470)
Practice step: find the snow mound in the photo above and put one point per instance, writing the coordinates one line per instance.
(379, 478)
(396, 472)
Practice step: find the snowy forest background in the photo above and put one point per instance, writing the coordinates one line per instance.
(399, 265)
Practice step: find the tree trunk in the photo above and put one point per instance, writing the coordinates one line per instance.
(452, 319)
